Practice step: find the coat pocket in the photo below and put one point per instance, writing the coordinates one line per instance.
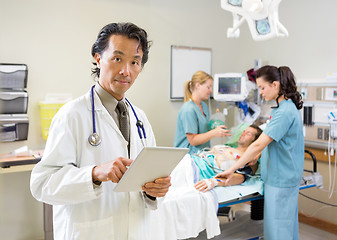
(99, 229)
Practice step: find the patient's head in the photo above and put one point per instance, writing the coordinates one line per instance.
(249, 135)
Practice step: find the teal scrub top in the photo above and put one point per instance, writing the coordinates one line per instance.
(282, 160)
(207, 168)
(191, 120)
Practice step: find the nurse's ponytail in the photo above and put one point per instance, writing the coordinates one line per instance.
(288, 86)
(187, 91)
(198, 77)
(284, 75)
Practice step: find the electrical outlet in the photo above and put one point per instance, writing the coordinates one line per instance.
(320, 133)
(326, 134)
(304, 92)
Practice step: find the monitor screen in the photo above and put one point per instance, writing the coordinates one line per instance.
(229, 87)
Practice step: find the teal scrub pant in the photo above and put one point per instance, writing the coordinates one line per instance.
(280, 213)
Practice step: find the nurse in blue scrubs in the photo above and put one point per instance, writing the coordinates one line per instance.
(192, 124)
(282, 147)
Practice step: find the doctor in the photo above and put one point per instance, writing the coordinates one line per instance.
(78, 176)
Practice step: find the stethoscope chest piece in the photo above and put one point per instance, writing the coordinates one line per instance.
(94, 139)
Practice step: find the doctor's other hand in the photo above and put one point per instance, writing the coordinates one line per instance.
(157, 188)
(227, 175)
(111, 171)
(221, 131)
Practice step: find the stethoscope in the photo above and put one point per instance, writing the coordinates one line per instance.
(94, 139)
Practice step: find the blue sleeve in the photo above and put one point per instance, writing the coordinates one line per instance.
(278, 126)
(189, 121)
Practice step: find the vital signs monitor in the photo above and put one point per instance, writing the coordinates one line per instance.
(229, 87)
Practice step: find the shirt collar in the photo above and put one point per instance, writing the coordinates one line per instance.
(108, 101)
(284, 101)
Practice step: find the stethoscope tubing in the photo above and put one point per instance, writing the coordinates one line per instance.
(93, 110)
(139, 123)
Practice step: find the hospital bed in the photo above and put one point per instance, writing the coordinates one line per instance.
(311, 178)
(187, 212)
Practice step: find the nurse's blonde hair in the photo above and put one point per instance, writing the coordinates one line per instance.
(199, 77)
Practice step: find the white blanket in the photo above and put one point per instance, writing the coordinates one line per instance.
(185, 211)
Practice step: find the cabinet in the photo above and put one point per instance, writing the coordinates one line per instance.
(13, 102)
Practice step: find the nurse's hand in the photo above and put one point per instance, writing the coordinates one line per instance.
(157, 188)
(111, 171)
(227, 175)
(221, 131)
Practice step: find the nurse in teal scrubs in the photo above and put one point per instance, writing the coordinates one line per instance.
(282, 147)
(192, 124)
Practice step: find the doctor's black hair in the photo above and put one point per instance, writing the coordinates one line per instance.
(129, 30)
(286, 78)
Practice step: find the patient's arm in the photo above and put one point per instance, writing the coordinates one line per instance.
(254, 162)
(254, 166)
(208, 184)
(236, 180)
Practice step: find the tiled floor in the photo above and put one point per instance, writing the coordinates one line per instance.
(310, 233)
(245, 228)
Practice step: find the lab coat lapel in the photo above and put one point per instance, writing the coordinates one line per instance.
(101, 111)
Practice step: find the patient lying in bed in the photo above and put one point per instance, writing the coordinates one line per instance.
(185, 211)
(220, 158)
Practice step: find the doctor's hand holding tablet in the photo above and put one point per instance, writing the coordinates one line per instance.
(157, 188)
(149, 171)
(111, 171)
(115, 170)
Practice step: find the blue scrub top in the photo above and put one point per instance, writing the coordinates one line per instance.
(191, 120)
(282, 160)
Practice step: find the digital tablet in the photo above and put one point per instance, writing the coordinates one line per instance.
(151, 163)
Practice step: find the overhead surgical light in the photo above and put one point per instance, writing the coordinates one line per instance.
(261, 16)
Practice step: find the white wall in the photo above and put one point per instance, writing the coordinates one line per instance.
(54, 39)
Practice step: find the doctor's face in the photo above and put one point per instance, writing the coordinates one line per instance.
(119, 65)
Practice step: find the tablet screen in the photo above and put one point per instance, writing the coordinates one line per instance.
(151, 163)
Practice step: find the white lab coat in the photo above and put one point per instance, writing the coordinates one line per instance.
(63, 177)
